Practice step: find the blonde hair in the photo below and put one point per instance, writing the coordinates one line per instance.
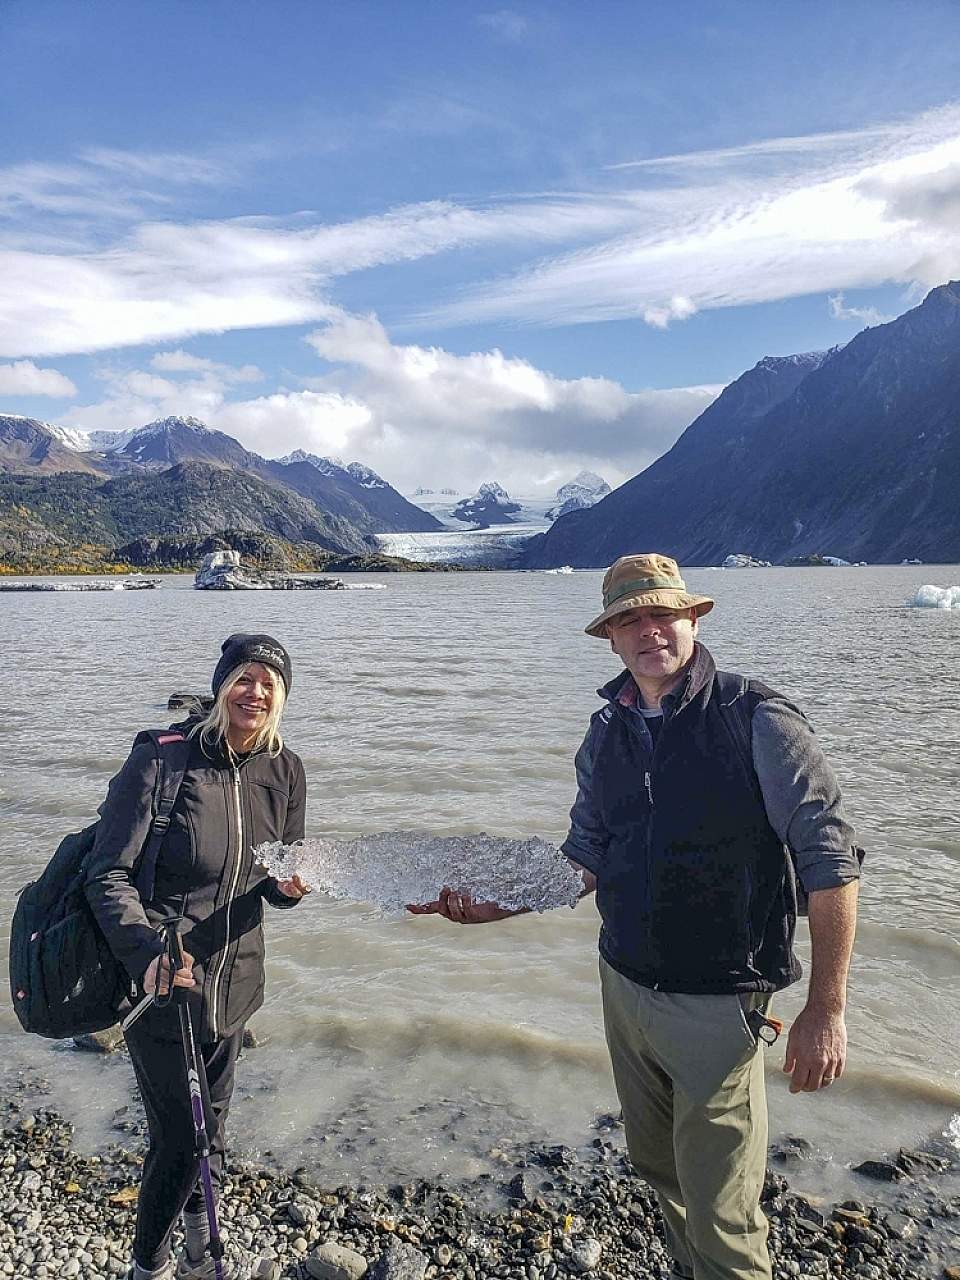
(212, 729)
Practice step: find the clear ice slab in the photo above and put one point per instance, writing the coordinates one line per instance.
(394, 868)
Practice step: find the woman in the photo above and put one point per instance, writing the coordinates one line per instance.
(242, 787)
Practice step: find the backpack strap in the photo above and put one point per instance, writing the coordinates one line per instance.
(172, 750)
(738, 707)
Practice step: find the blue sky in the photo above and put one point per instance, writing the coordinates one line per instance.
(458, 241)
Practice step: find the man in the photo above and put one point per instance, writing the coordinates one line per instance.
(698, 792)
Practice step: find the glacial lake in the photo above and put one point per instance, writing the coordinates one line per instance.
(454, 703)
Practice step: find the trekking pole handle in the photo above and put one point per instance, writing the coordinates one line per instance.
(172, 939)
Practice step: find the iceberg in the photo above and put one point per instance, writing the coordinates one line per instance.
(931, 597)
(738, 560)
(393, 868)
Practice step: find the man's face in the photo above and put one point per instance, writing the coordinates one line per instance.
(654, 643)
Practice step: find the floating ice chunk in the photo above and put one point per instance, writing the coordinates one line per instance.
(364, 586)
(931, 597)
(393, 868)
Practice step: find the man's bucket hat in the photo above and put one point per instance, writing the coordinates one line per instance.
(634, 581)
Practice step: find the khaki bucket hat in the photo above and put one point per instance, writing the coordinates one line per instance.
(633, 581)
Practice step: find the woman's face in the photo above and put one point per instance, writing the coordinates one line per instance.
(248, 704)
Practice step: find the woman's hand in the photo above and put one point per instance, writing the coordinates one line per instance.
(293, 888)
(461, 908)
(156, 980)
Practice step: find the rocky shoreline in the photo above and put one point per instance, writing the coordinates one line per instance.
(560, 1213)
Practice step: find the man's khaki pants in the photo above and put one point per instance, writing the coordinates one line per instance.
(690, 1080)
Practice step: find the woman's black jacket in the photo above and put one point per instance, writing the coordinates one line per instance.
(205, 873)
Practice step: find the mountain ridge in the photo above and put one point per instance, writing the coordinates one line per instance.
(853, 452)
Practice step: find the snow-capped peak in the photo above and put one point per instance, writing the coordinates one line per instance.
(494, 491)
(78, 441)
(328, 466)
(366, 477)
(362, 475)
(171, 424)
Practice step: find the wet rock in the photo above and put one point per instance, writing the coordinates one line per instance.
(609, 1121)
(399, 1261)
(901, 1227)
(790, 1149)
(881, 1170)
(773, 1186)
(335, 1262)
(918, 1162)
(585, 1255)
(522, 1187)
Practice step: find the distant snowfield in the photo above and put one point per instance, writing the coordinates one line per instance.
(495, 547)
(458, 543)
(533, 511)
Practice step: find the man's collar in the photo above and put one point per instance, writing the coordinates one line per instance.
(623, 690)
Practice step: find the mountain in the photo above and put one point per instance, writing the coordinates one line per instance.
(29, 445)
(191, 499)
(354, 492)
(168, 441)
(854, 452)
(584, 490)
(491, 504)
(177, 478)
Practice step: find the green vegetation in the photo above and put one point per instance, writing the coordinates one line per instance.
(166, 522)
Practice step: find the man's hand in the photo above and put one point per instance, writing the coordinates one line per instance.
(817, 1044)
(816, 1050)
(461, 908)
(156, 979)
(293, 888)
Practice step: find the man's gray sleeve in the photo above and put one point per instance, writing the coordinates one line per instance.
(802, 797)
(587, 839)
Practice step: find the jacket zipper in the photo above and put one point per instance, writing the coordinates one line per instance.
(231, 893)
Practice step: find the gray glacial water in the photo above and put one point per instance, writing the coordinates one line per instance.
(454, 704)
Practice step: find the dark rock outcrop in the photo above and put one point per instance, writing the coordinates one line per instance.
(855, 451)
(491, 504)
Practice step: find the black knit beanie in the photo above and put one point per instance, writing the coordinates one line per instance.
(241, 647)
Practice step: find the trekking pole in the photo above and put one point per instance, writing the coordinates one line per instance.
(196, 1097)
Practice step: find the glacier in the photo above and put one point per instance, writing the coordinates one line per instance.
(393, 868)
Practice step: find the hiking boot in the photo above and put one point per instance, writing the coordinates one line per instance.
(166, 1272)
(238, 1264)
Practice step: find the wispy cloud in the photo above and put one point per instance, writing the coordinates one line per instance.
(711, 238)
(167, 281)
(183, 362)
(836, 212)
(24, 378)
(839, 310)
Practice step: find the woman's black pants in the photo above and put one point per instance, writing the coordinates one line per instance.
(170, 1181)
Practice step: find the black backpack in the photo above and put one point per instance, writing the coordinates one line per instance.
(738, 711)
(64, 979)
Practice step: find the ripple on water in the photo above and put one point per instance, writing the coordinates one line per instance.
(407, 719)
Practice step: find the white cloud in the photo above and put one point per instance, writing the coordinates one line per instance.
(183, 362)
(839, 310)
(168, 280)
(767, 220)
(24, 378)
(754, 224)
(419, 415)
